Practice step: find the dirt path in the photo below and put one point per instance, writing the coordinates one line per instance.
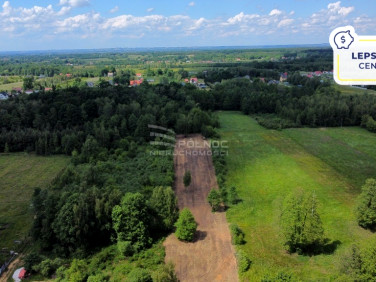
(11, 268)
(211, 257)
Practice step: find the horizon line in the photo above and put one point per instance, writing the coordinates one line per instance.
(161, 48)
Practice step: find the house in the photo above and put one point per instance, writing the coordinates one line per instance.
(3, 96)
(17, 89)
(110, 74)
(138, 74)
(19, 274)
(136, 82)
(262, 79)
(283, 77)
(186, 80)
(29, 91)
(273, 82)
(69, 75)
(194, 80)
(150, 80)
(202, 85)
(90, 84)
(318, 73)
(22, 274)
(47, 89)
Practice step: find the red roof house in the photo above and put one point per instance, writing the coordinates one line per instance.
(194, 80)
(22, 274)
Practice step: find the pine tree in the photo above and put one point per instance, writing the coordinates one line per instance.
(185, 226)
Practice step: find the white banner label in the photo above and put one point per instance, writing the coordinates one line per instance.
(354, 57)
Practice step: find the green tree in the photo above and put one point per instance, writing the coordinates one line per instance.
(366, 208)
(185, 226)
(90, 149)
(6, 148)
(214, 199)
(164, 204)
(187, 178)
(28, 82)
(131, 220)
(301, 223)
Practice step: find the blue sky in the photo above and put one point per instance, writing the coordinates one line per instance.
(76, 24)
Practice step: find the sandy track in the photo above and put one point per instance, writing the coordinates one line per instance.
(211, 256)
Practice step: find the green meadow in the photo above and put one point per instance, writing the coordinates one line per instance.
(20, 173)
(266, 165)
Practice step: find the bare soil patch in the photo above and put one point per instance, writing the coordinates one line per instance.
(211, 257)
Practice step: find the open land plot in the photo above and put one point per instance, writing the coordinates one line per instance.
(211, 256)
(266, 165)
(20, 173)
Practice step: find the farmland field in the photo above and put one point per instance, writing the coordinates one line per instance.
(19, 174)
(266, 165)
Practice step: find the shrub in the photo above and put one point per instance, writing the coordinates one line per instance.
(214, 199)
(187, 178)
(125, 248)
(185, 226)
(139, 275)
(165, 273)
(244, 263)
(232, 196)
(237, 235)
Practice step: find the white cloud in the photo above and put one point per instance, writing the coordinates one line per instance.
(40, 22)
(285, 22)
(191, 4)
(75, 3)
(114, 9)
(275, 12)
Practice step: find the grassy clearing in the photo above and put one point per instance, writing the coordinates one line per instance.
(349, 90)
(266, 165)
(20, 173)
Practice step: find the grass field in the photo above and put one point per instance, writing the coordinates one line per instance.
(266, 165)
(19, 174)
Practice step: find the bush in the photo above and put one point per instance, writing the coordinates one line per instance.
(165, 273)
(77, 271)
(237, 235)
(125, 248)
(244, 262)
(279, 277)
(214, 199)
(232, 196)
(187, 178)
(31, 260)
(139, 275)
(185, 226)
(48, 267)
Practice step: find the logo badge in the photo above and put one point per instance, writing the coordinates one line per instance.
(354, 57)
